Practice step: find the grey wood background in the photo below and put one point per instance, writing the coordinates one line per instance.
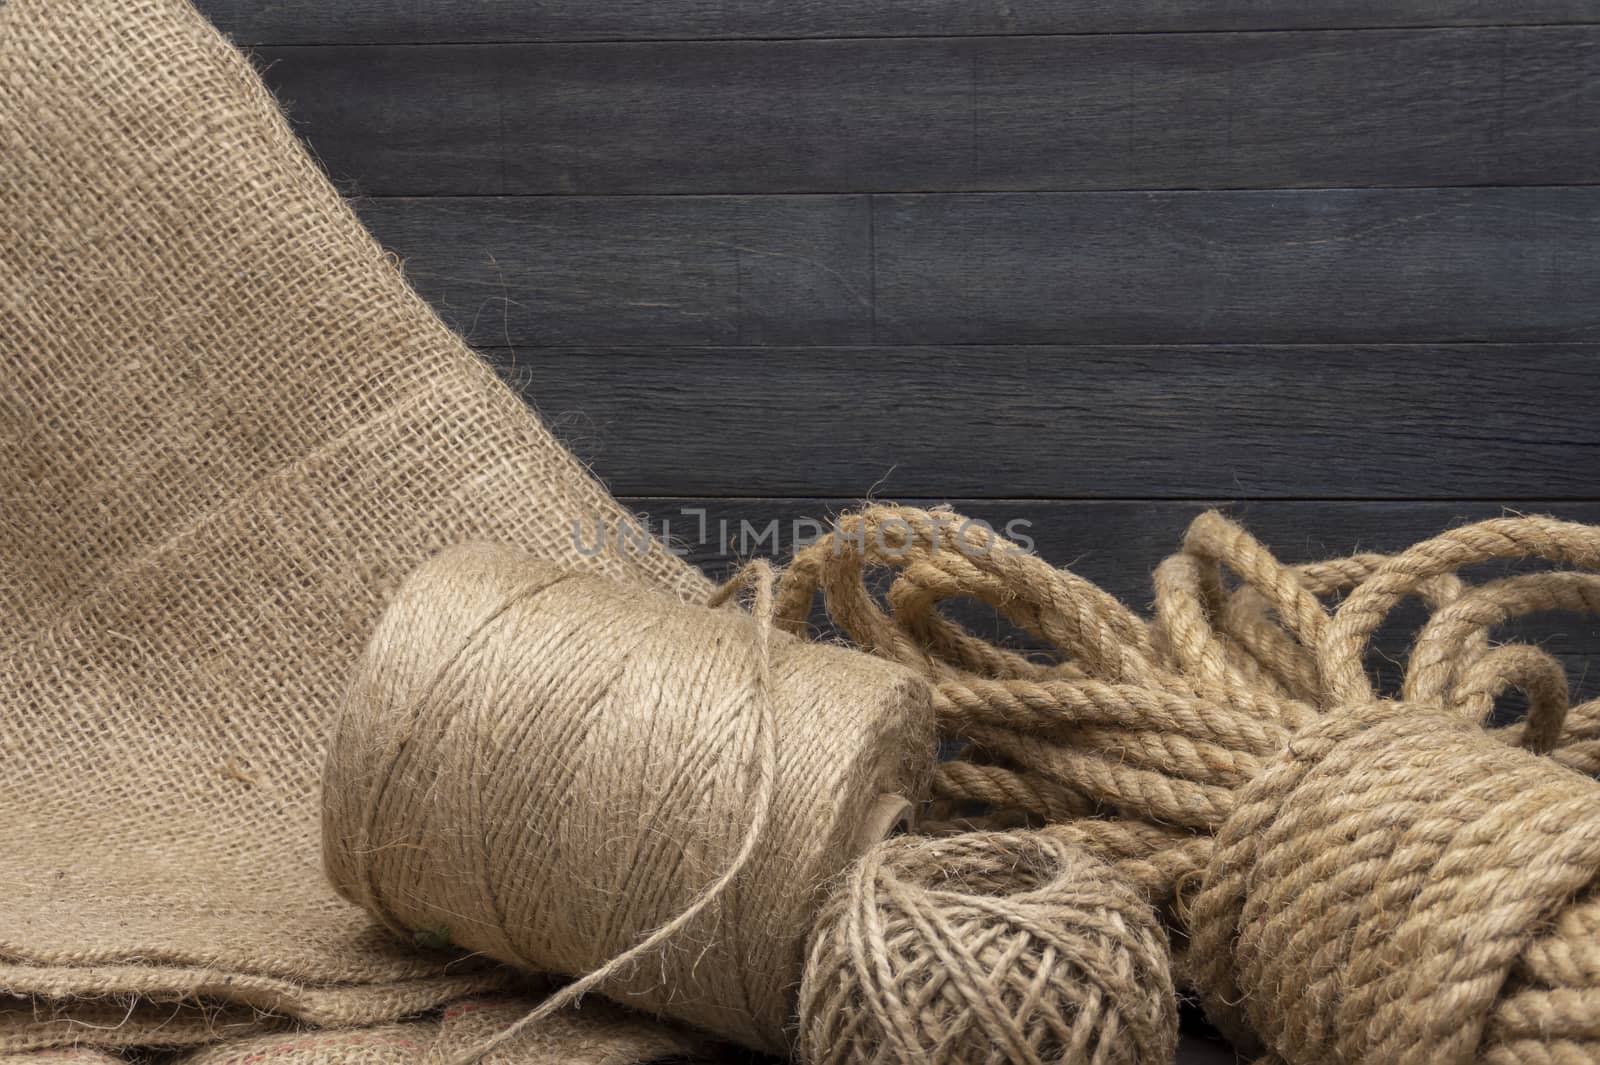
(1086, 264)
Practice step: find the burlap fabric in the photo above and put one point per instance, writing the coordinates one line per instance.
(596, 1034)
(227, 426)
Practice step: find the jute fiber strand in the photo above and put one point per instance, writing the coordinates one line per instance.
(227, 428)
(1351, 878)
(551, 768)
(44, 1027)
(66, 1055)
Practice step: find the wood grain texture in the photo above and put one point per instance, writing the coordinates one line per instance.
(1324, 266)
(639, 270)
(1053, 422)
(1235, 110)
(406, 21)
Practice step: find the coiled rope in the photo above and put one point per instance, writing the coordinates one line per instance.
(1347, 878)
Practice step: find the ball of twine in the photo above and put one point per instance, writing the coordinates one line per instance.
(986, 947)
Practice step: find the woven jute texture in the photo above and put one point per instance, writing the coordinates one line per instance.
(227, 426)
(595, 1034)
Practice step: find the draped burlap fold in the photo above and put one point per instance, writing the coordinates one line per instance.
(227, 427)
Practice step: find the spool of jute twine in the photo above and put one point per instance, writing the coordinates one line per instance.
(687, 810)
(1349, 878)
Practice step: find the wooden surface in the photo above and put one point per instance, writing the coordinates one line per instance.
(1086, 265)
(1334, 266)
(407, 21)
(1117, 111)
(1438, 422)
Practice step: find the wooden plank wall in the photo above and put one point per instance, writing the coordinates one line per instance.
(1092, 264)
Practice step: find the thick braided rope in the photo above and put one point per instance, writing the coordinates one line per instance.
(1229, 675)
(1441, 671)
(1190, 725)
(1385, 893)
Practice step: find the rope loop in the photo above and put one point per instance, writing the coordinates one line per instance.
(939, 555)
(1348, 878)
(1358, 617)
